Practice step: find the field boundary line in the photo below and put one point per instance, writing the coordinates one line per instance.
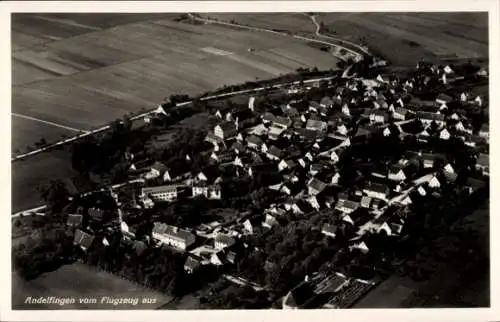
(31, 118)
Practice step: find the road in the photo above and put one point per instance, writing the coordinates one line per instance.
(357, 54)
(319, 34)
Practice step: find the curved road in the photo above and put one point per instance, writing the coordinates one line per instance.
(319, 34)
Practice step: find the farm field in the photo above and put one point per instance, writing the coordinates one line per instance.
(296, 22)
(29, 128)
(404, 38)
(83, 78)
(79, 281)
(28, 174)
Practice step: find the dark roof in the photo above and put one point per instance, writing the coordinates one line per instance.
(401, 110)
(254, 140)
(225, 239)
(74, 220)
(380, 113)
(376, 187)
(315, 124)
(159, 166)
(238, 146)
(267, 116)
(273, 150)
(317, 185)
(444, 97)
(159, 189)
(430, 116)
(282, 121)
(228, 127)
(191, 263)
(83, 239)
(347, 204)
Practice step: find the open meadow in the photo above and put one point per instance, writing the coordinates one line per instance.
(80, 281)
(80, 72)
(403, 38)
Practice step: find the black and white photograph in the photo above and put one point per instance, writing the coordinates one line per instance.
(249, 160)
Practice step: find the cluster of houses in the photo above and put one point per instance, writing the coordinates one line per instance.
(304, 141)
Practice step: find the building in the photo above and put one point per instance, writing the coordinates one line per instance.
(315, 187)
(428, 117)
(173, 236)
(222, 241)
(254, 142)
(400, 113)
(226, 131)
(326, 102)
(376, 190)
(444, 134)
(208, 191)
(74, 220)
(191, 265)
(379, 116)
(443, 99)
(83, 239)
(274, 153)
(158, 169)
(316, 125)
(347, 206)
(161, 193)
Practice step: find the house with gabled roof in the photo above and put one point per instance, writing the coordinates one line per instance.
(254, 142)
(326, 102)
(346, 206)
(378, 116)
(83, 239)
(172, 236)
(282, 122)
(376, 190)
(226, 130)
(274, 153)
(444, 134)
(429, 117)
(316, 186)
(443, 99)
(316, 125)
(191, 264)
(74, 220)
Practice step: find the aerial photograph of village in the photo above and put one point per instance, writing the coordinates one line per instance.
(291, 160)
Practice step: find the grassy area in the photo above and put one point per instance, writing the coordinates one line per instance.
(79, 281)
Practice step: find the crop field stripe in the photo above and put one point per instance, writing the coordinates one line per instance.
(47, 122)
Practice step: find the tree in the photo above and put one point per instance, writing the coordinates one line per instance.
(55, 194)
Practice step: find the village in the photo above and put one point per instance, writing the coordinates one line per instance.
(356, 165)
